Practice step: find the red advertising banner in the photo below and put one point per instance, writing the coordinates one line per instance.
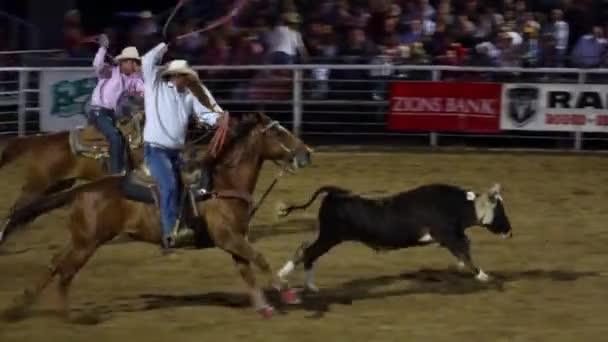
(445, 106)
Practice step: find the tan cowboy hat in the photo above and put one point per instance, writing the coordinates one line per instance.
(178, 67)
(130, 52)
(291, 17)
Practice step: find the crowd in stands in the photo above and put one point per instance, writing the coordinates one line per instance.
(496, 33)
(546, 33)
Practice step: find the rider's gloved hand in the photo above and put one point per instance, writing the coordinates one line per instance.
(103, 41)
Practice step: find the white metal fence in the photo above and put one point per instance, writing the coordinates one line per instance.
(340, 103)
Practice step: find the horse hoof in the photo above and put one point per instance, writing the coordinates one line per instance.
(266, 312)
(311, 288)
(291, 297)
(14, 314)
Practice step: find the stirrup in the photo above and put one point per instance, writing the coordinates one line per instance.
(183, 237)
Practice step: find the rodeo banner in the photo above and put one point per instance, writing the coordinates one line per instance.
(555, 107)
(65, 98)
(445, 106)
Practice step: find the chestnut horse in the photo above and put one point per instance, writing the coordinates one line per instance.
(50, 165)
(99, 211)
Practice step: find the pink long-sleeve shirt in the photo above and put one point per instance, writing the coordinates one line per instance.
(112, 83)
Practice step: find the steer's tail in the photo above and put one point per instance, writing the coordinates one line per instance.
(285, 210)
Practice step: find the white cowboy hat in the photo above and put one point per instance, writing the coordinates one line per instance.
(179, 67)
(145, 15)
(130, 52)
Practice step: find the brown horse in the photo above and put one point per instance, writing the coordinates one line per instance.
(100, 211)
(51, 163)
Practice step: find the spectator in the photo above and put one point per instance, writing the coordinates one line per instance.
(560, 31)
(285, 41)
(73, 35)
(193, 43)
(590, 49)
(463, 30)
(549, 56)
(355, 50)
(418, 31)
(530, 47)
(147, 25)
(217, 52)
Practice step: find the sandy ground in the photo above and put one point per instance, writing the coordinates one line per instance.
(551, 279)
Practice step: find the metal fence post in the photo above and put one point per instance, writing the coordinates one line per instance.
(578, 135)
(434, 137)
(297, 102)
(22, 102)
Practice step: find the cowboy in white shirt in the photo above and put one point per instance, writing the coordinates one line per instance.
(168, 106)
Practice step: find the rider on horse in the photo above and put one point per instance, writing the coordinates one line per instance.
(168, 105)
(113, 82)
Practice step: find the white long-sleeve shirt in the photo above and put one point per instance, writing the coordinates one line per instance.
(167, 109)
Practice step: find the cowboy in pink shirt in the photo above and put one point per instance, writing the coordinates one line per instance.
(113, 82)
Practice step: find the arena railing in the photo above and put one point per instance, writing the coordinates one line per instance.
(331, 102)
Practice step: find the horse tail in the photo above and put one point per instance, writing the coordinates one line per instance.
(330, 190)
(31, 211)
(12, 151)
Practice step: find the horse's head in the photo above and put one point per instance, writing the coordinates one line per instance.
(277, 143)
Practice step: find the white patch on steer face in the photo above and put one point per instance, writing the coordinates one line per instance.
(426, 238)
(485, 205)
(288, 268)
(471, 196)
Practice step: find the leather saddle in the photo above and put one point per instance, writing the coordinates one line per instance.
(138, 185)
(88, 141)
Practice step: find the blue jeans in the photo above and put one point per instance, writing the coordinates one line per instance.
(103, 120)
(164, 164)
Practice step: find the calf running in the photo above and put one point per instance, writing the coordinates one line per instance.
(435, 213)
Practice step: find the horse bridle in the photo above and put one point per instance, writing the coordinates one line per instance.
(283, 167)
(290, 151)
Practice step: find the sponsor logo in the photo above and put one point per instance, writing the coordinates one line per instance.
(522, 104)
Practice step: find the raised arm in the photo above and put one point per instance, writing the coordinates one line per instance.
(102, 70)
(149, 61)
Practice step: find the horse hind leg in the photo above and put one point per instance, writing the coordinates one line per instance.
(19, 308)
(71, 264)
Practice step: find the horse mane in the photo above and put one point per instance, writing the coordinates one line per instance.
(239, 128)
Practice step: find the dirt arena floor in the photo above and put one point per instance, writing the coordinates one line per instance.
(551, 279)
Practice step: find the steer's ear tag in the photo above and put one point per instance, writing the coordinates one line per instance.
(471, 196)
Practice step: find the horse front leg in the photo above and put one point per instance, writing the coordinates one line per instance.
(239, 246)
(258, 299)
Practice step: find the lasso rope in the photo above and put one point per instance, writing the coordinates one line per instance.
(235, 10)
(177, 7)
(217, 142)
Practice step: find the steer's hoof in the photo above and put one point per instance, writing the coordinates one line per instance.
(483, 277)
(290, 297)
(281, 209)
(266, 312)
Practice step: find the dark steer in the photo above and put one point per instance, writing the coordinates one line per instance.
(435, 213)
